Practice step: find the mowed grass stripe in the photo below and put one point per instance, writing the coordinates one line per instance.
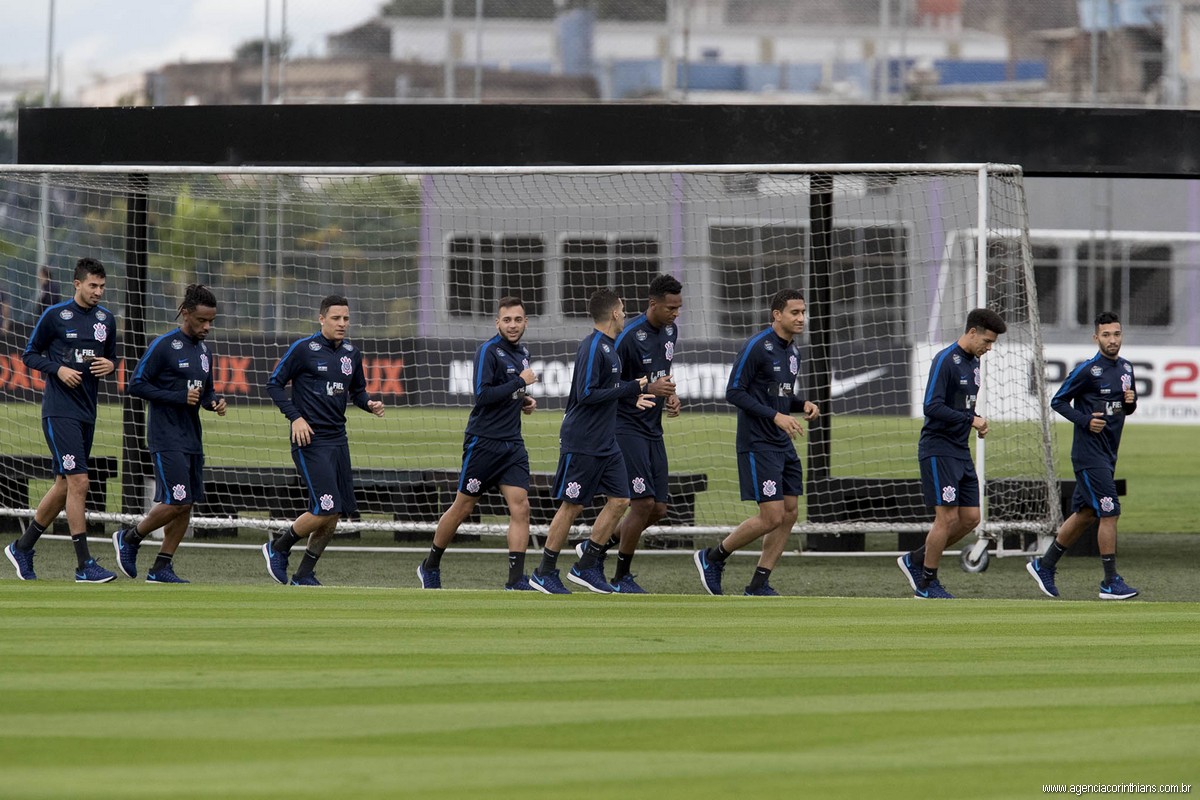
(263, 692)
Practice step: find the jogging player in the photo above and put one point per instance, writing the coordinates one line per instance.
(646, 348)
(589, 460)
(762, 384)
(74, 344)
(948, 479)
(324, 370)
(494, 453)
(1096, 398)
(175, 378)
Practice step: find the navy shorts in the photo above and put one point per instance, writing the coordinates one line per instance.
(1096, 489)
(178, 478)
(949, 481)
(645, 466)
(326, 472)
(581, 477)
(70, 443)
(488, 463)
(768, 476)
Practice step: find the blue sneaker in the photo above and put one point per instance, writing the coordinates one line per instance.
(766, 590)
(932, 591)
(277, 566)
(164, 575)
(627, 585)
(592, 578)
(1116, 589)
(549, 583)
(1044, 577)
(308, 580)
(126, 553)
(522, 584)
(22, 560)
(913, 573)
(91, 572)
(430, 578)
(582, 547)
(710, 571)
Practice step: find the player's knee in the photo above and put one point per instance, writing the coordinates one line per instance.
(657, 513)
(968, 519)
(771, 514)
(78, 482)
(518, 510)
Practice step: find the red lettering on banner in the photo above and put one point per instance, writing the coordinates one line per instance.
(383, 376)
(229, 374)
(1190, 373)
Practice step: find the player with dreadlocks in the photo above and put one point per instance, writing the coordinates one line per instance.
(175, 378)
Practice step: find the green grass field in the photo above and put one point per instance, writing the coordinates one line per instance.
(126, 691)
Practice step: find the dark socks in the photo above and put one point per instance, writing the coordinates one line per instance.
(284, 543)
(516, 566)
(1053, 553)
(759, 579)
(549, 561)
(82, 555)
(132, 536)
(928, 576)
(1110, 566)
(434, 559)
(718, 553)
(163, 560)
(30, 536)
(307, 564)
(623, 564)
(917, 557)
(591, 552)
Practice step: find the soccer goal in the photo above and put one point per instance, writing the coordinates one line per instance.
(890, 257)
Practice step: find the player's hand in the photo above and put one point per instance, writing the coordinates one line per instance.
(980, 425)
(529, 376)
(301, 432)
(673, 405)
(375, 407)
(528, 405)
(71, 377)
(193, 395)
(219, 406)
(811, 411)
(645, 402)
(1130, 396)
(101, 366)
(663, 387)
(1097, 423)
(642, 381)
(789, 425)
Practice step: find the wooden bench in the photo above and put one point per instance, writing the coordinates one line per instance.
(17, 471)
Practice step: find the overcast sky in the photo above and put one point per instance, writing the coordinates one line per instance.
(115, 37)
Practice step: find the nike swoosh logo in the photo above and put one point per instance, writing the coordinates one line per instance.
(839, 386)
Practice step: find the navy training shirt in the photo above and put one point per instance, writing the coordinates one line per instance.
(173, 364)
(590, 423)
(499, 390)
(950, 395)
(645, 351)
(762, 384)
(323, 375)
(1097, 384)
(70, 335)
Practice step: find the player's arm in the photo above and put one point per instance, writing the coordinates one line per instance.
(737, 390)
(358, 390)
(1129, 396)
(209, 399)
(39, 343)
(1072, 387)
(106, 364)
(937, 391)
(592, 392)
(142, 385)
(487, 390)
(280, 377)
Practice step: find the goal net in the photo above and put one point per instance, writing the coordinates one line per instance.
(891, 259)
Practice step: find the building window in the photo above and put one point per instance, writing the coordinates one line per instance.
(1132, 279)
(626, 265)
(868, 281)
(484, 268)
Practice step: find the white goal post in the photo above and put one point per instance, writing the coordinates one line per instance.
(890, 257)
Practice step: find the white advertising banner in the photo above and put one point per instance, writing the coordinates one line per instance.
(1167, 380)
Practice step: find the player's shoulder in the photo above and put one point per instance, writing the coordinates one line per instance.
(1124, 364)
(347, 347)
(105, 314)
